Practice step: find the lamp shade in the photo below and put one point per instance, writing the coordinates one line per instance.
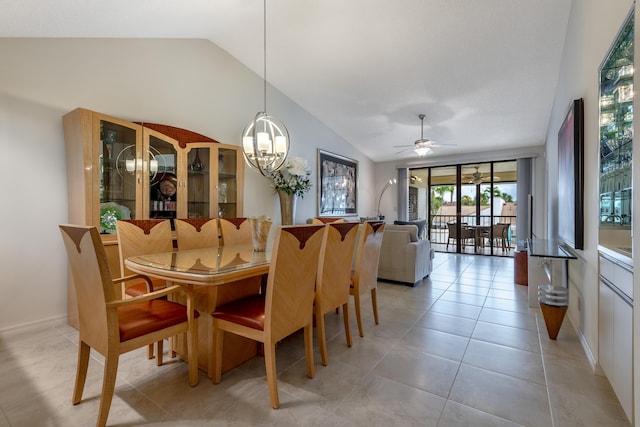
(421, 150)
(265, 143)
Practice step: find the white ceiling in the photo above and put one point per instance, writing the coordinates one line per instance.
(483, 72)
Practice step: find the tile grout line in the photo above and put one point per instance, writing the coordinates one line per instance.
(544, 369)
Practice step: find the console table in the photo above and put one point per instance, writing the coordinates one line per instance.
(548, 277)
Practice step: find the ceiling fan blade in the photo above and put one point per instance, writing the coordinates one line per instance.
(442, 144)
(406, 149)
(430, 143)
(400, 146)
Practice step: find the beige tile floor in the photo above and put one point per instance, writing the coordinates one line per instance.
(460, 349)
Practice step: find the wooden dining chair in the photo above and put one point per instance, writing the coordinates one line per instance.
(235, 231)
(334, 273)
(113, 326)
(196, 233)
(286, 306)
(143, 237)
(326, 220)
(365, 274)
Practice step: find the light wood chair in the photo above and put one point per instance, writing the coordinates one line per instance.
(334, 273)
(326, 220)
(113, 326)
(196, 233)
(286, 307)
(235, 231)
(365, 274)
(143, 237)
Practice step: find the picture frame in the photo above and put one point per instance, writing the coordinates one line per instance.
(571, 176)
(413, 203)
(337, 185)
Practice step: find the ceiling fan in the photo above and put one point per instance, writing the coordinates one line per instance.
(478, 178)
(422, 146)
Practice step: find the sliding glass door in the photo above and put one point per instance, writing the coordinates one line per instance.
(471, 208)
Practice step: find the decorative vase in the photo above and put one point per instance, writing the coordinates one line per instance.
(287, 207)
(259, 232)
(220, 163)
(197, 163)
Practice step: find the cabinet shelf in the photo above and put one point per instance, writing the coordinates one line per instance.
(226, 176)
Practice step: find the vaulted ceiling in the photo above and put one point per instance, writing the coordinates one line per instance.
(484, 73)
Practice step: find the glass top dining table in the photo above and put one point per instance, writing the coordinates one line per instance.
(209, 266)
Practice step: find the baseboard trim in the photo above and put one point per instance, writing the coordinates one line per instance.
(48, 320)
(593, 362)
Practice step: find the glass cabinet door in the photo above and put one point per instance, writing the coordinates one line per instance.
(228, 183)
(160, 175)
(117, 174)
(199, 181)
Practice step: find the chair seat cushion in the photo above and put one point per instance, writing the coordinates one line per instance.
(140, 319)
(140, 287)
(248, 312)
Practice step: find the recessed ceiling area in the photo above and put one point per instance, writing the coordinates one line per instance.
(484, 73)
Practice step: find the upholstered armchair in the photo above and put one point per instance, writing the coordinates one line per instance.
(404, 257)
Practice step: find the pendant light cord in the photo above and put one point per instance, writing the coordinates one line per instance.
(264, 30)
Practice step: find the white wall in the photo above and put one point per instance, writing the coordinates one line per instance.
(185, 83)
(389, 202)
(593, 25)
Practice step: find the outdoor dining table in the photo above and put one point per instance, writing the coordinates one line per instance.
(480, 231)
(217, 276)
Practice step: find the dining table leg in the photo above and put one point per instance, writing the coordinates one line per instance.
(237, 349)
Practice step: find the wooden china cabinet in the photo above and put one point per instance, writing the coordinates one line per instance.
(117, 169)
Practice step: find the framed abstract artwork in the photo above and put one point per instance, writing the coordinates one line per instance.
(337, 186)
(571, 176)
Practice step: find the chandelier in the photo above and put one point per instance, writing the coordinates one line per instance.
(265, 140)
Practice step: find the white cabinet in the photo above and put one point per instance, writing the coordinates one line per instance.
(615, 330)
(605, 329)
(623, 353)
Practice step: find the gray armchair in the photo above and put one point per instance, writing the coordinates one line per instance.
(403, 257)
